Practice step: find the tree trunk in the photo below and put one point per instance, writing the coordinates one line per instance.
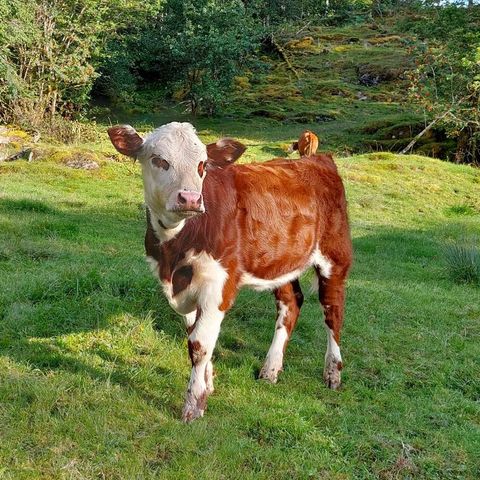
(53, 105)
(462, 146)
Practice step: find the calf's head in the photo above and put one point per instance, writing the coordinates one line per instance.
(174, 165)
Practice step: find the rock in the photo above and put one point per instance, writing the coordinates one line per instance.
(78, 159)
(82, 164)
(369, 80)
(371, 75)
(14, 144)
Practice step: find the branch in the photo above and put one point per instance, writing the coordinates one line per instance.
(431, 124)
(304, 27)
(282, 53)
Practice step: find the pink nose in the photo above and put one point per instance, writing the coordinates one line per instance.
(189, 200)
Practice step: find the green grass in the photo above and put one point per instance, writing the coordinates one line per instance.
(94, 365)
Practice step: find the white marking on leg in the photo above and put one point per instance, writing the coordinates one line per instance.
(274, 361)
(203, 338)
(333, 359)
(189, 319)
(209, 378)
(207, 284)
(333, 349)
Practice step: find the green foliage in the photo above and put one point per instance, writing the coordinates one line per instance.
(447, 78)
(131, 49)
(205, 43)
(47, 51)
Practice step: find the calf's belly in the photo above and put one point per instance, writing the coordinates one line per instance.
(262, 280)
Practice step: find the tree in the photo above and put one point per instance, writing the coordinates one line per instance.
(46, 54)
(203, 44)
(446, 82)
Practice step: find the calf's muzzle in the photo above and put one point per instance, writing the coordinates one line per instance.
(189, 201)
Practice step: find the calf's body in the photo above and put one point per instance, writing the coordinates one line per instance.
(306, 145)
(261, 226)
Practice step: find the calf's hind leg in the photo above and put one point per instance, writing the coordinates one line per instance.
(289, 299)
(331, 293)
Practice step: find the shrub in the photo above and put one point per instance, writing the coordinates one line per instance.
(463, 263)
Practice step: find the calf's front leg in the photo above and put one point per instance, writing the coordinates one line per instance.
(190, 320)
(201, 342)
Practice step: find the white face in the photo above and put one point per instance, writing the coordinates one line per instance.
(173, 164)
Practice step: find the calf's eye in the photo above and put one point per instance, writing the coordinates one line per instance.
(201, 168)
(160, 163)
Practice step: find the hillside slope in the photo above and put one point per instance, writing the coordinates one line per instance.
(348, 84)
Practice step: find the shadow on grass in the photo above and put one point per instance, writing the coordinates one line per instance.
(274, 151)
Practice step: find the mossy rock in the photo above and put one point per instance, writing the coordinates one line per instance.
(78, 159)
(372, 74)
(305, 43)
(17, 134)
(382, 39)
(342, 48)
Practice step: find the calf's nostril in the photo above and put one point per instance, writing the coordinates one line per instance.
(181, 199)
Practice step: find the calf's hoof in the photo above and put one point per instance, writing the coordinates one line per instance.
(331, 374)
(194, 407)
(269, 374)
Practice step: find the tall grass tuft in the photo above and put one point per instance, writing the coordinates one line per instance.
(463, 262)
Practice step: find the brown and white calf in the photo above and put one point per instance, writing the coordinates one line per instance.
(306, 145)
(213, 227)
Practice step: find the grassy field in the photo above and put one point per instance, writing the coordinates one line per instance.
(93, 362)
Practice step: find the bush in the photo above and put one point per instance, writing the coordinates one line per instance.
(46, 57)
(463, 263)
(204, 45)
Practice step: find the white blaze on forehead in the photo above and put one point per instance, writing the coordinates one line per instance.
(177, 143)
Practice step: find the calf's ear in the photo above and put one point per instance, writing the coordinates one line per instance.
(224, 152)
(125, 139)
